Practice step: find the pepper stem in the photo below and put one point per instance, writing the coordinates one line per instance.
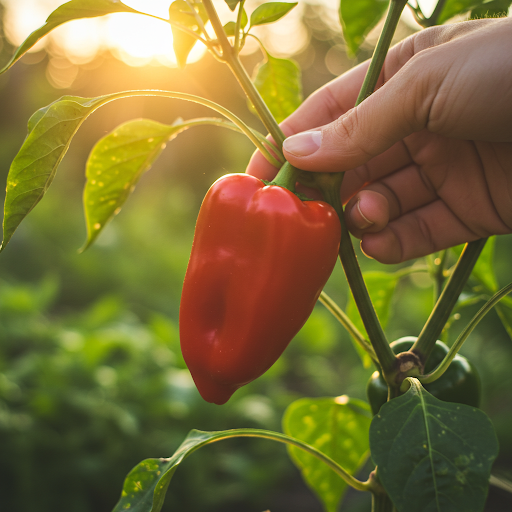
(286, 177)
(330, 186)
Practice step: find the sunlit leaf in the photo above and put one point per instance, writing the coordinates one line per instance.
(433, 455)
(74, 10)
(181, 12)
(50, 131)
(454, 7)
(337, 427)
(116, 164)
(279, 83)
(492, 9)
(230, 26)
(381, 287)
(358, 18)
(270, 12)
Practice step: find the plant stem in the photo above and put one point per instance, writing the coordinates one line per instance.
(379, 55)
(238, 25)
(332, 192)
(330, 185)
(430, 22)
(444, 306)
(230, 56)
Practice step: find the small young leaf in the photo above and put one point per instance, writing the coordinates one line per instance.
(492, 9)
(180, 12)
(337, 427)
(270, 12)
(381, 287)
(232, 4)
(279, 83)
(50, 131)
(116, 164)
(433, 455)
(454, 7)
(73, 10)
(230, 26)
(358, 18)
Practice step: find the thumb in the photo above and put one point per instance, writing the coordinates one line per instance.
(394, 111)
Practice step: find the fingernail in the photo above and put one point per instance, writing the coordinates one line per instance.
(359, 218)
(303, 144)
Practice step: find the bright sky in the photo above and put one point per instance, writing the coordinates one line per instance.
(138, 40)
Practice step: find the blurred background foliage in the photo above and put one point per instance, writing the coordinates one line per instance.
(91, 376)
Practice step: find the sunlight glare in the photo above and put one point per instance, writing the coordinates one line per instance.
(80, 41)
(136, 40)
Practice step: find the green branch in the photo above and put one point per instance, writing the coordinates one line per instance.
(230, 56)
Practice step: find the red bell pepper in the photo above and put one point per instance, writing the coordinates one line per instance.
(259, 261)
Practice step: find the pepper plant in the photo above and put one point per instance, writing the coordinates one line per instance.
(430, 451)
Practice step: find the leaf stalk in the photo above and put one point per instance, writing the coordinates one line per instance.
(283, 438)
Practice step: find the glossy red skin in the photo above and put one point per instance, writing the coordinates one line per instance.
(259, 261)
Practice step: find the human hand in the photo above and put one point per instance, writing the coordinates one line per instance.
(429, 154)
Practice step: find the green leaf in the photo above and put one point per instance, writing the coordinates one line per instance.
(358, 18)
(232, 4)
(454, 7)
(493, 9)
(337, 427)
(50, 131)
(433, 455)
(181, 12)
(381, 287)
(116, 164)
(279, 83)
(74, 10)
(270, 12)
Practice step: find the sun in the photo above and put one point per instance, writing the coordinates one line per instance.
(135, 39)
